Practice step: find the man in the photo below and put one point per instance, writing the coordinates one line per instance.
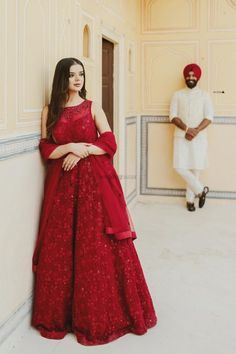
(191, 112)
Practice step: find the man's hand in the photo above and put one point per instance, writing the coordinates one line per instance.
(188, 137)
(191, 133)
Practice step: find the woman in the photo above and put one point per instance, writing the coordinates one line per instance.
(88, 279)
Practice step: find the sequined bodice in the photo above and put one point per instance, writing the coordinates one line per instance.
(76, 124)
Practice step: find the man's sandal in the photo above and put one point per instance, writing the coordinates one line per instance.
(202, 197)
(190, 206)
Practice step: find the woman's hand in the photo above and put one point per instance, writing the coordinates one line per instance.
(70, 161)
(80, 149)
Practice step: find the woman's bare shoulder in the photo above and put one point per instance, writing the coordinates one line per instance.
(96, 107)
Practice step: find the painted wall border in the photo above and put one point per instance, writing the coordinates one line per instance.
(130, 121)
(18, 145)
(144, 189)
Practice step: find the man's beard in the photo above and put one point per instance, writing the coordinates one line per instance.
(191, 83)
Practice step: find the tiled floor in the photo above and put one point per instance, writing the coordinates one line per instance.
(189, 260)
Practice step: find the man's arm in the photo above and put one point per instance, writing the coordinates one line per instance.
(204, 123)
(193, 132)
(179, 123)
(190, 133)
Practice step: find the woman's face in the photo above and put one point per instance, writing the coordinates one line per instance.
(76, 78)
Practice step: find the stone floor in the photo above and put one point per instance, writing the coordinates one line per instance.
(189, 260)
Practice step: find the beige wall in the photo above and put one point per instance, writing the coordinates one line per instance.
(174, 34)
(34, 35)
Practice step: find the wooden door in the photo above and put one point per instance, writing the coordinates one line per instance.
(107, 79)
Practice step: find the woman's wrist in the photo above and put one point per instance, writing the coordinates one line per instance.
(69, 147)
(89, 150)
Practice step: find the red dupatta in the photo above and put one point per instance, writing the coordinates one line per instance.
(117, 219)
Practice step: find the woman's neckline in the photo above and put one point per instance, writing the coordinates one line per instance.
(77, 105)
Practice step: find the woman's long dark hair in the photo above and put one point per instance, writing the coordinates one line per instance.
(59, 94)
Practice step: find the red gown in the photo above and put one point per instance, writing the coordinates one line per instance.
(88, 278)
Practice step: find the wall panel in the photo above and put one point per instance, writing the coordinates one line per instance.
(157, 174)
(32, 48)
(158, 15)
(222, 15)
(222, 75)
(161, 74)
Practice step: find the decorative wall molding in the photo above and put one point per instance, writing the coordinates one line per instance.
(161, 61)
(130, 121)
(88, 20)
(165, 119)
(111, 12)
(218, 10)
(191, 17)
(144, 189)
(31, 71)
(224, 120)
(18, 145)
(3, 60)
(131, 56)
(63, 28)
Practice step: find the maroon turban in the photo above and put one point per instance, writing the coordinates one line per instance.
(192, 67)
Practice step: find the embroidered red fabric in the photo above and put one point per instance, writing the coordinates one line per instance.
(88, 278)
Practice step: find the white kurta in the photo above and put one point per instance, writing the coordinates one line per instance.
(191, 106)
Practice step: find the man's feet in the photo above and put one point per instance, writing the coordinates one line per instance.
(190, 206)
(202, 197)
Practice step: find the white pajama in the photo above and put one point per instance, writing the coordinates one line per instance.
(194, 186)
